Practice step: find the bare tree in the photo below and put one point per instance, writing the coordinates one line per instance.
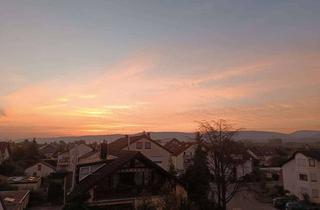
(224, 156)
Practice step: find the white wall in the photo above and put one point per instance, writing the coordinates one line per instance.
(292, 182)
(43, 171)
(178, 160)
(157, 154)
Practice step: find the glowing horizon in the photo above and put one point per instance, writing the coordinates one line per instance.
(58, 83)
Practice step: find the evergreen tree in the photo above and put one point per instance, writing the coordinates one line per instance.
(197, 177)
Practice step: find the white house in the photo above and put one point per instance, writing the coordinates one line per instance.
(301, 174)
(144, 144)
(42, 169)
(69, 159)
(182, 153)
(4, 151)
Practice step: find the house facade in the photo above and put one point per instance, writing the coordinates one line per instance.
(181, 153)
(147, 146)
(124, 182)
(301, 175)
(42, 168)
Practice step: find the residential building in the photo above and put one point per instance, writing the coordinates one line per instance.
(301, 174)
(49, 150)
(144, 144)
(69, 159)
(14, 200)
(181, 153)
(263, 155)
(123, 182)
(25, 183)
(42, 169)
(4, 151)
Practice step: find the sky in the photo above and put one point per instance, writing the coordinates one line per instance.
(81, 67)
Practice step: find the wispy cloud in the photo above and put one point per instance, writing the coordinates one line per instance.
(132, 96)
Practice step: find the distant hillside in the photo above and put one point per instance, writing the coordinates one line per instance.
(255, 136)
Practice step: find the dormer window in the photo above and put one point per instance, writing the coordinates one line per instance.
(312, 163)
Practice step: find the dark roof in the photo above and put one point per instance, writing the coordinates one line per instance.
(263, 151)
(177, 147)
(121, 143)
(4, 146)
(111, 167)
(49, 148)
(17, 197)
(50, 162)
(314, 154)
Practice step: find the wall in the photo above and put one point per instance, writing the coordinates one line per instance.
(156, 153)
(45, 170)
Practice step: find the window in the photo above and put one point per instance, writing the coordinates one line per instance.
(139, 145)
(303, 177)
(312, 163)
(147, 145)
(39, 167)
(313, 177)
(315, 193)
(83, 172)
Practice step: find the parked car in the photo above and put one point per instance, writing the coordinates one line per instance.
(300, 205)
(280, 202)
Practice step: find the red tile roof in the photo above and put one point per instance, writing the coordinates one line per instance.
(177, 147)
(121, 143)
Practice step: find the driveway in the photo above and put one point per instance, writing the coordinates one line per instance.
(245, 200)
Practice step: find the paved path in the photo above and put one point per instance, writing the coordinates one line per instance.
(246, 201)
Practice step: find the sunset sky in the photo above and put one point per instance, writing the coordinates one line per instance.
(99, 67)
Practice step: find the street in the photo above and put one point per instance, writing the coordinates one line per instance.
(246, 201)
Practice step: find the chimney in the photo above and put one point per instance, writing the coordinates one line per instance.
(104, 150)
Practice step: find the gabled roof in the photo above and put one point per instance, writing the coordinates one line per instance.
(50, 162)
(121, 143)
(177, 147)
(263, 151)
(314, 154)
(111, 167)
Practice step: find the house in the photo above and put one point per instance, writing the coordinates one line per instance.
(242, 163)
(68, 160)
(14, 200)
(48, 150)
(262, 155)
(144, 144)
(301, 174)
(25, 182)
(42, 169)
(123, 182)
(182, 153)
(4, 151)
